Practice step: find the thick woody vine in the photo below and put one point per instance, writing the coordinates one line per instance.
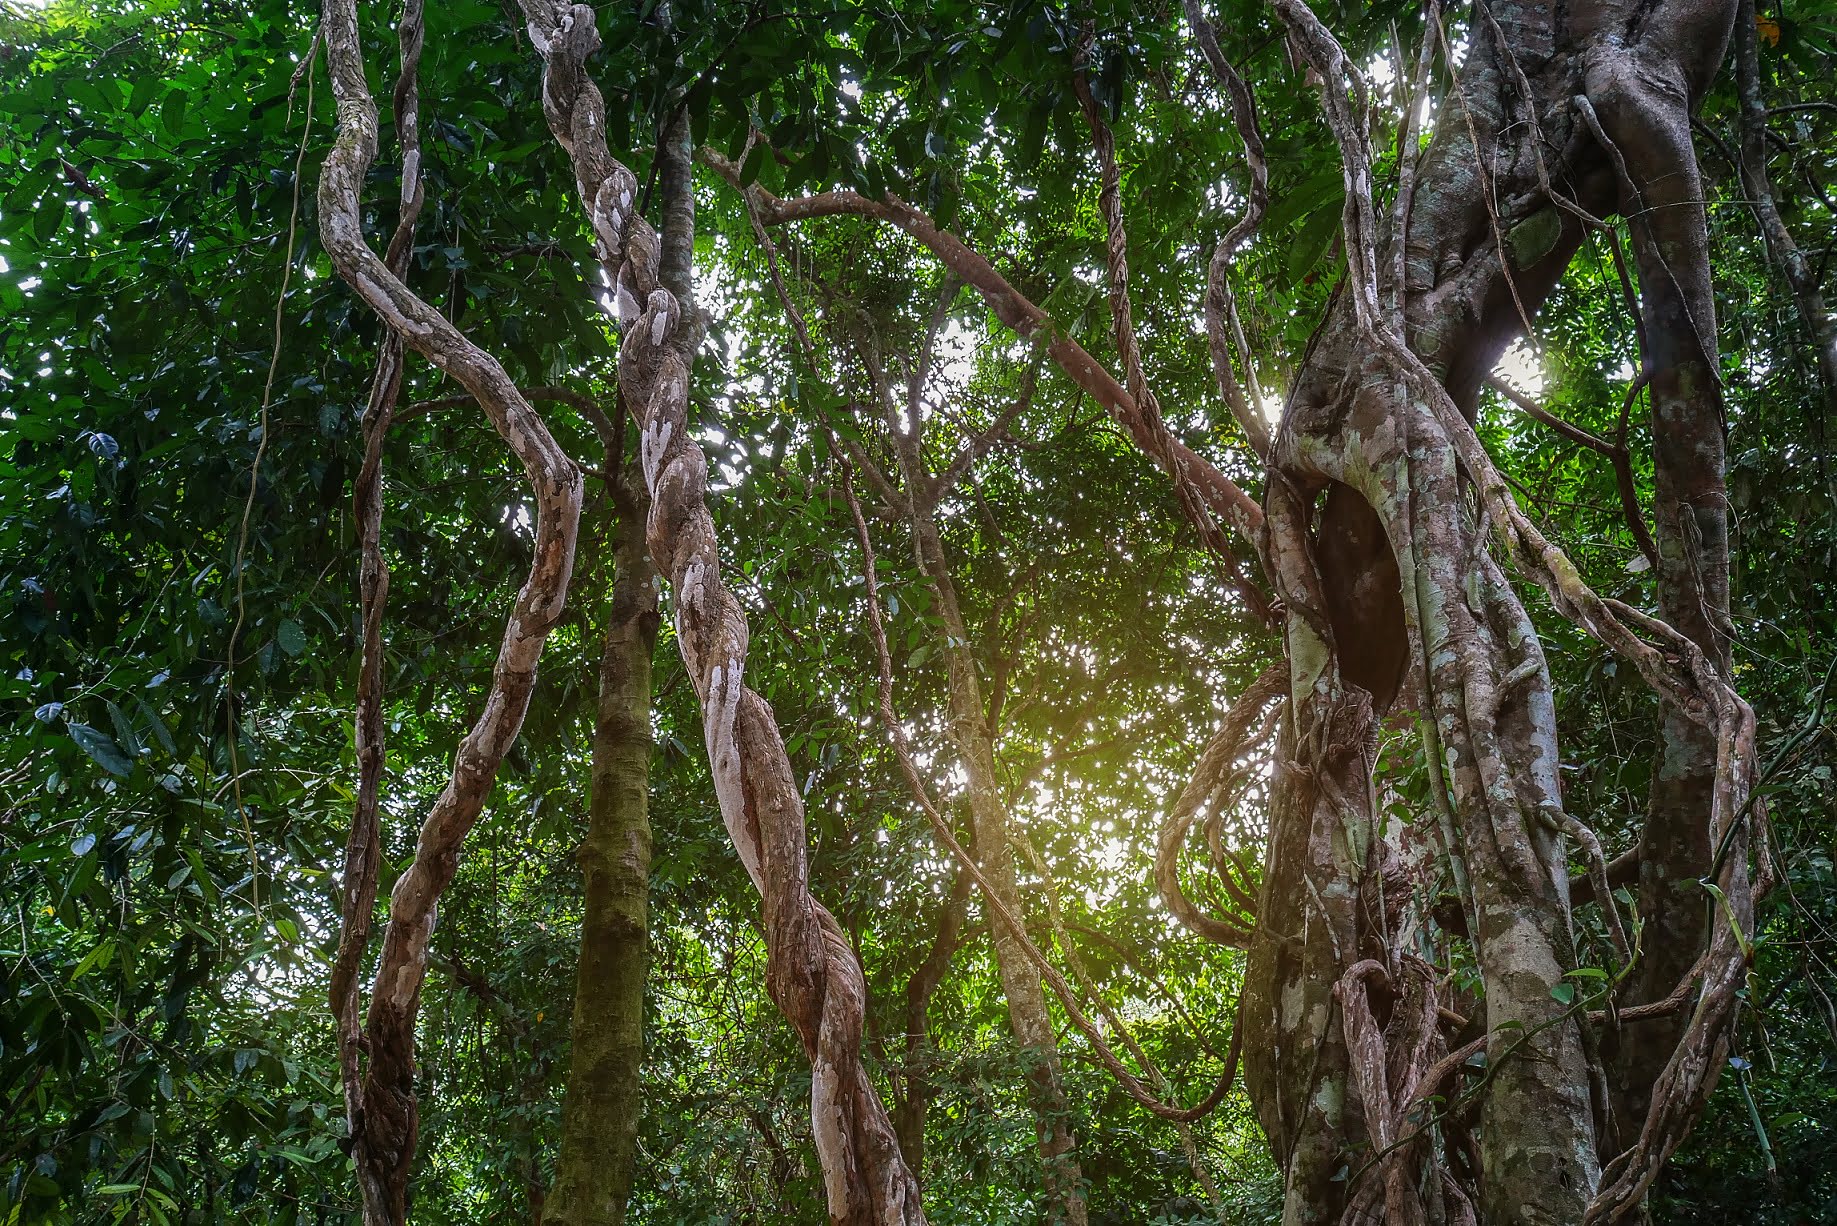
(384, 1114)
(812, 973)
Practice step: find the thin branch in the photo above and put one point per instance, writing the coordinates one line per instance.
(1223, 497)
(1616, 453)
(896, 733)
(1221, 304)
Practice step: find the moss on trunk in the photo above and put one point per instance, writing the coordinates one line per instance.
(599, 1115)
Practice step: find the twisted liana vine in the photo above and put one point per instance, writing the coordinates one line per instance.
(385, 1121)
(812, 973)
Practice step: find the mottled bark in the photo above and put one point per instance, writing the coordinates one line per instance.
(602, 1104)
(1377, 416)
(1643, 97)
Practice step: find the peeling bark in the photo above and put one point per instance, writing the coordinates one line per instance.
(811, 974)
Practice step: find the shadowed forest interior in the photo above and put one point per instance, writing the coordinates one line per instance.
(884, 612)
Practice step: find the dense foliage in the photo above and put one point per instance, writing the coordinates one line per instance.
(181, 375)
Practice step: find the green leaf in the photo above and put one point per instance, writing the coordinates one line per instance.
(291, 638)
(124, 731)
(48, 217)
(102, 750)
(754, 163)
(1563, 993)
(172, 112)
(141, 97)
(1728, 913)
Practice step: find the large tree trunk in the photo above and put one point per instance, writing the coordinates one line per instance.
(1380, 427)
(602, 1105)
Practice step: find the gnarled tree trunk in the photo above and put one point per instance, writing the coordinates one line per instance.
(1532, 142)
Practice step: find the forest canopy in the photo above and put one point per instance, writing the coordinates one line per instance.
(882, 612)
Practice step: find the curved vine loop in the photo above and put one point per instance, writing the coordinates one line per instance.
(383, 1133)
(1211, 776)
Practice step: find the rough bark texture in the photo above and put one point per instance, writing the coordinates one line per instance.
(1643, 102)
(1380, 514)
(602, 1104)
(812, 974)
(385, 1121)
(1377, 416)
(363, 848)
(603, 1101)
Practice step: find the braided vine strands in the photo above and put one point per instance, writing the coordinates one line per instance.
(383, 1129)
(811, 974)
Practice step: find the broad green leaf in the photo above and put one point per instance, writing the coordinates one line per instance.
(101, 749)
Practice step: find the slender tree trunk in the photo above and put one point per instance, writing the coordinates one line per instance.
(915, 1086)
(812, 973)
(603, 1102)
(1028, 1016)
(1662, 196)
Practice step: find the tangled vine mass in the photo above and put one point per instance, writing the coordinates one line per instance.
(1253, 583)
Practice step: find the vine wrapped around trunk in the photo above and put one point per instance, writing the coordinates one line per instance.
(811, 973)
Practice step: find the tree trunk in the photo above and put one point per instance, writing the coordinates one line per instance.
(914, 1085)
(1028, 1016)
(812, 973)
(1661, 194)
(603, 1103)
(1376, 418)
